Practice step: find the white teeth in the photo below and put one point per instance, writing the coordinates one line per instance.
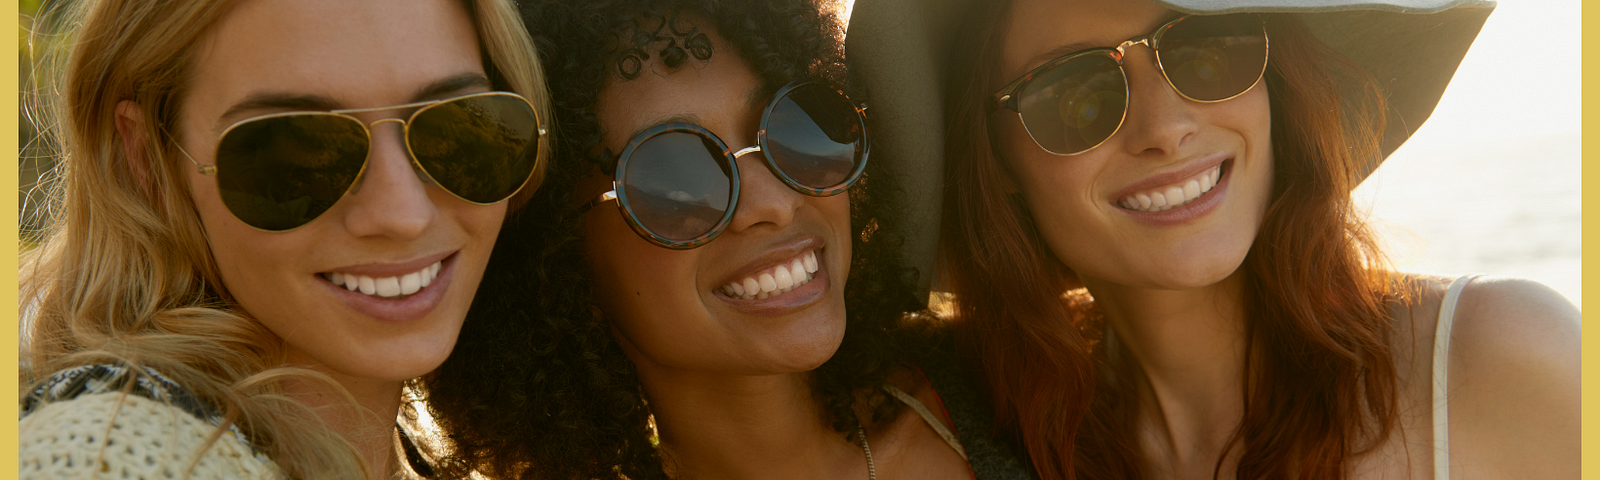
(1172, 196)
(387, 286)
(410, 283)
(778, 280)
(1175, 196)
(781, 275)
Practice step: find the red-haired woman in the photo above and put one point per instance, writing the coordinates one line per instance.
(1148, 232)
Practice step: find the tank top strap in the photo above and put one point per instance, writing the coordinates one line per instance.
(1441, 377)
(927, 416)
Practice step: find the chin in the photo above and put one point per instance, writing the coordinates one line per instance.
(812, 346)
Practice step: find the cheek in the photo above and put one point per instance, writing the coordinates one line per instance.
(836, 212)
(238, 250)
(633, 277)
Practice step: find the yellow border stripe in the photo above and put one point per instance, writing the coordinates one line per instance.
(8, 245)
(1591, 128)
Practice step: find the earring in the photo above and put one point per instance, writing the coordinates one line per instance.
(650, 423)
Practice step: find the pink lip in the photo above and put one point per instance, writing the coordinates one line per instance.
(1192, 210)
(391, 269)
(781, 254)
(786, 302)
(396, 310)
(1193, 168)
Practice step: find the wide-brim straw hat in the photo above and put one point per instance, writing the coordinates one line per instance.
(899, 52)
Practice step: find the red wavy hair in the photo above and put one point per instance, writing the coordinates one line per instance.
(1320, 381)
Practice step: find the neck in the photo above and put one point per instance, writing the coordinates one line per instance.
(745, 426)
(368, 423)
(1188, 347)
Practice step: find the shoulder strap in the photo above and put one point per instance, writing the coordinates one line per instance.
(938, 426)
(1441, 377)
(956, 378)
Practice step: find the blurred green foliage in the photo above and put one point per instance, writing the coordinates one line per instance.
(36, 156)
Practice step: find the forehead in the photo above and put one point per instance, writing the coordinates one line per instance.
(1037, 28)
(716, 93)
(358, 53)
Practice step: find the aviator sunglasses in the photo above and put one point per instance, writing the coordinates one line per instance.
(1074, 103)
(677, 183)
(281, 171)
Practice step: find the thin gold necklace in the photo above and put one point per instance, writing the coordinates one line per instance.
(872, 470)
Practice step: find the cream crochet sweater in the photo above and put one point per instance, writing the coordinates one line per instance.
(81, 424)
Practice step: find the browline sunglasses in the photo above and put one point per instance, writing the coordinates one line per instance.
(279, 172)
(1076, 102)
(677, 184)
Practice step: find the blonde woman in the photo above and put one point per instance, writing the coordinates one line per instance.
(247, 260)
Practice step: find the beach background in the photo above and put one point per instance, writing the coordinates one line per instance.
(1490, 184)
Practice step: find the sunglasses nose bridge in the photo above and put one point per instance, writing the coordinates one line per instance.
(1122, 48)
(745, 150)
(375, 123)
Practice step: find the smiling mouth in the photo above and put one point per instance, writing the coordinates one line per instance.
(394, 287)
(776, 280)
(1178, 194)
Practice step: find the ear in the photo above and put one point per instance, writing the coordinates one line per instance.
(130, 128)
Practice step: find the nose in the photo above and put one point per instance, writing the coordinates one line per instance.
(764, 200)
(390, 200)
(1158, 120)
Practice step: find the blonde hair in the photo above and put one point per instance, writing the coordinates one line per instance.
(124, 273)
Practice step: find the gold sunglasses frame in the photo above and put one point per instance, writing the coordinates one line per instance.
(405, 132)
(1007, 96)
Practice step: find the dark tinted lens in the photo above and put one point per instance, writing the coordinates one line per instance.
(814, 135)
(1214, 58)
(480, 148)
(279, 173)
(1076, 105)
(676, 185)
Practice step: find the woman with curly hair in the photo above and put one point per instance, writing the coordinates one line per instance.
(1149, 203)
(712, 291)
(269, 217)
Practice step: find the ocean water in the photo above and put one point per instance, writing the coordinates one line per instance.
(1506, 206)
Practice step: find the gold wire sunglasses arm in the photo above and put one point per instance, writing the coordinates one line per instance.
(204, 169)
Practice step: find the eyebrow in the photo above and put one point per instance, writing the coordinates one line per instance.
(756, 98)
(319, 103)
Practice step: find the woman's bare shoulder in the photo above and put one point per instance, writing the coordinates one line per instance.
(1514, 376)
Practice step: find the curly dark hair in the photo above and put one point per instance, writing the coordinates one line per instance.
(537, 387)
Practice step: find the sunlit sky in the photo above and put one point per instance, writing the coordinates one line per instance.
(1490, 184)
